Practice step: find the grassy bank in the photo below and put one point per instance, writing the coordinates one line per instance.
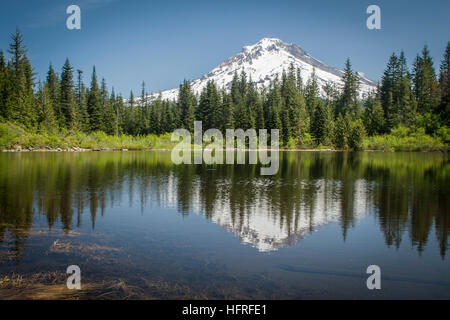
(404, 139)
(13, 137)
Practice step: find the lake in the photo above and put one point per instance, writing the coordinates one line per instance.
(141, 227)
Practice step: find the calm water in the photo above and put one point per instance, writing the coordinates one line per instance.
(193, 231)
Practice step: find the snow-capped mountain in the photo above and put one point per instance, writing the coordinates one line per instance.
(265, 60)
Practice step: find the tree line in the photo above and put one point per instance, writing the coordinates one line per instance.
(417, 99)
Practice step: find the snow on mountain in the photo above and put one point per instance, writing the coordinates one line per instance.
(260, 223)
(266, 230)
(265, 60)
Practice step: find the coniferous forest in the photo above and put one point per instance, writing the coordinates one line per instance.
(409, 111)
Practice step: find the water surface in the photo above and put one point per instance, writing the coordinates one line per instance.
(140, 226)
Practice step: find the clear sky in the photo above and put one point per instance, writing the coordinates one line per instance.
(164, 42)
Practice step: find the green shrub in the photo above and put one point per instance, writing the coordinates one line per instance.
(10, 135)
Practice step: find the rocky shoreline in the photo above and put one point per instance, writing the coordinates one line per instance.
(70, 149)
(78, 149)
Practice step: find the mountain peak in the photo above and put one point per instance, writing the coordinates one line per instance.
(264, 44)
(269, 41)
(266, 60)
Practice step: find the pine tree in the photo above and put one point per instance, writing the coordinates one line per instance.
(20, 103)
(129, 115)
(253, 103)
(294, 115)
(299, 80)
(405, 96)
(373, 118)
(119, 109)
(81, 102)
(356, 135)
(389, 80)
(425, 85)
(259, 119)
(67, 98)
(209, 107)
(155, 116)
(186, 105)
(340, 132)
(319, 123)
(108, 113)
(46, 117)
(3, 85)
(273, 107)
(227, 114)
(348, 102)
(95, 105)
(331, 92)
(444, 88)
(54, 92)
(312, 93)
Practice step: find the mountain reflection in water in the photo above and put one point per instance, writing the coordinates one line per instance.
(408, 194)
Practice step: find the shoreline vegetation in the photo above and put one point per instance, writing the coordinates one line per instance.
(409, 110)
(14, 138)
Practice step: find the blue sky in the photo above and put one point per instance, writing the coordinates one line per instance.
(164, 42)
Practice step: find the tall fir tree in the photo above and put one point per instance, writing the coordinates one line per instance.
(227, 113)
(20, 106)
(81, 101)
(348, 102)
(186, 105)
(209, 107)
(67, 98)
(4, 81)
(108, 114)
(425, 84)
(95, 105)
(444, 88)
(53, 86)
(312, 93)
(46, 117)
(373, 117)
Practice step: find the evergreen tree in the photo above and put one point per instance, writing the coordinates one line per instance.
(348, 102)
(155, 116)
(396, 96)
(46, 117)
(340, 132)
(299, 80)
(108, 113)
(95, 105)
(405, 96)
(373, 118)
(54, 92)
(356, 135)
(186, 105)
(81, 102)
(20, 105)
(312, 93)
(227, 114)
(425, 85)
(274, 105)
(209, 107)
(119, 109)
(67, 98)
(3, 85)
(294, 115)
(319, 123)
(444, 88)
